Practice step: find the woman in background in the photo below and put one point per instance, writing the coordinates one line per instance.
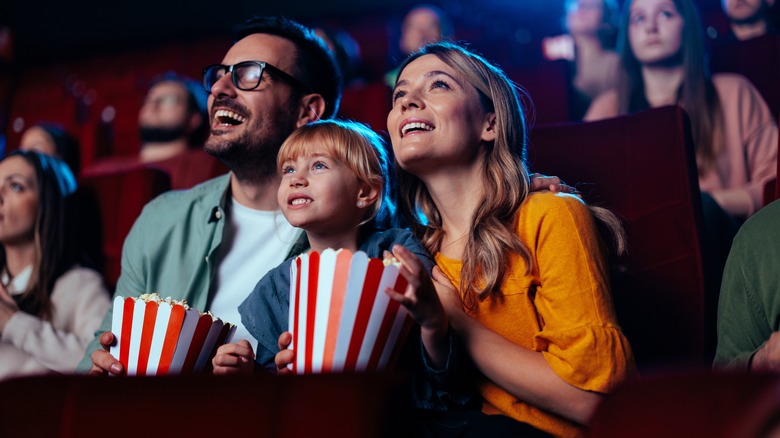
(662, 52)
(49, 306)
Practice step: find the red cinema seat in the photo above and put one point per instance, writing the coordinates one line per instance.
(366, 103)
(331, 405)
(691, 405)
(757, 59)
(548, 86)
(120, 197)
(642, 167)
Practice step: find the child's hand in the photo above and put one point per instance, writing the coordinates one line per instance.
(235, 358)
(285, 356)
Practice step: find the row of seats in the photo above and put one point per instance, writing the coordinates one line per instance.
(686, 404)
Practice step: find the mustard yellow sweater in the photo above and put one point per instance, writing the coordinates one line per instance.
(562, 308)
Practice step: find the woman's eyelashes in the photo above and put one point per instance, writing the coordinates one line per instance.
(435, 83)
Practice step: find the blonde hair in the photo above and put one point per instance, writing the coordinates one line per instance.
(505, 178)
(362, 150)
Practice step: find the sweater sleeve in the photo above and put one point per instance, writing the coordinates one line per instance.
(79, 302)
(580, 337)
(755, 134)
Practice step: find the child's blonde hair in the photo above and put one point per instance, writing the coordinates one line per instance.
(362, 150)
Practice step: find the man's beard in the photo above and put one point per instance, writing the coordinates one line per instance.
(251, 157)
(150, 134)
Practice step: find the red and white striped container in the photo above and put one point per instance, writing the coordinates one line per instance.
(340, 317)
(156, 337)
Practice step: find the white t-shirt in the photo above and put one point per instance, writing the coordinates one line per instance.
(253, 243)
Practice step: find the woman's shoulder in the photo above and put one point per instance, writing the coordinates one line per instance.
(86, 283)
(732, 84)
(542, 205)
(80, 274)
(604, 106)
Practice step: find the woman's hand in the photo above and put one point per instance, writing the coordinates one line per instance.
(285, 356)
(422, 302)
(234, 358)
(8, 307)
(448, 294)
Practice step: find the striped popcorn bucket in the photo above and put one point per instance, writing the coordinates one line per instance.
(157, 337)
(340, 317)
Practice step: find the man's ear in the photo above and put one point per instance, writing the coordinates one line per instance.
(489, 127)
(311, 109)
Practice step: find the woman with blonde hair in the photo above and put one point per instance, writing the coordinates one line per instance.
(522, 276)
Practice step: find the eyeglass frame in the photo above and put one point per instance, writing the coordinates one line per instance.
(263, 66)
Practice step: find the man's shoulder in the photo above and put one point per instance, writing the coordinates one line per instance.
(209, 192)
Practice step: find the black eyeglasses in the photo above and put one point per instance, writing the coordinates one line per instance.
(246, 75)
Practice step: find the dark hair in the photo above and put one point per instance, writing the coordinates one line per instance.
(314, 63)
(66, 145)
(197, 102)
(53, 256)
(697, 94)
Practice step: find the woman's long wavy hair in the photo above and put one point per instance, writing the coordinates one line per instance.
(505, 178)
(696, 94)
(52, 256)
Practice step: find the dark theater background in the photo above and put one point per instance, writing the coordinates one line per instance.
(91, 61)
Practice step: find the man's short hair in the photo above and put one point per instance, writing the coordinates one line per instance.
(314, 64)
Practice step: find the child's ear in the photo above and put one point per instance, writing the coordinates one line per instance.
(368, 195)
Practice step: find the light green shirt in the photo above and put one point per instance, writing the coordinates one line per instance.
(171, 249)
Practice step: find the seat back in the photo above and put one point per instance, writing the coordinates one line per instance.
(691, 404)
(120, 197)
(548, 88)
(366, 103)
(642, 167)
(342, 405)
(757, 59)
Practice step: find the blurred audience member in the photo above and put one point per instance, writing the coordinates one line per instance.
(749, 18)
(49, 305)
(423, 24)
(589, 44)
(52, 139)
(173, 125)
(662, 53)
(347, 53)
(172, 119)
(749, 307)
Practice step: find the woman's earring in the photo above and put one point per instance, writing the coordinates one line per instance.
(360, 204)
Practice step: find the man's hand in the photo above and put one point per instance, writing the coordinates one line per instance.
(767, 358)
(103, 363)
(551, 183)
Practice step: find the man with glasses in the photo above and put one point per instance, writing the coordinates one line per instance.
(211, 244)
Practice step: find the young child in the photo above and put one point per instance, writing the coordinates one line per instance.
(334, 186)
